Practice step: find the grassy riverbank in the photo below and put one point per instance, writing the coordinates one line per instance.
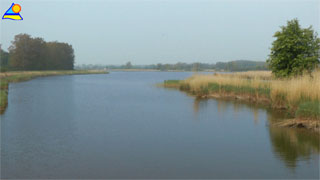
(17, 76)
(299, 96)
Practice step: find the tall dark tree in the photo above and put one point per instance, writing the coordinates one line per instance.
(294, 51)
(27, 53)
(59, 56)
(4, 59)
(128, 65)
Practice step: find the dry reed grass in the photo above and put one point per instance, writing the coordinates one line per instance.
(265, 75)
(286, 91)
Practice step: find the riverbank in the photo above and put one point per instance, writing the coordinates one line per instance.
(157, 70)
(299, 97)
(134, 70)
(18, 76)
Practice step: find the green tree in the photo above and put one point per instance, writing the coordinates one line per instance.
(196, 67)
(27, 53)
(128, 65)
(294, 51)
(59, 56)
(159, 66)
(4, 59)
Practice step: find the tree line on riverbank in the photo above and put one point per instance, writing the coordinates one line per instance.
(33, 53)
(238, 65)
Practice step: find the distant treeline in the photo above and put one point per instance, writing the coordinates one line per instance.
(28, 53)
(239, 65)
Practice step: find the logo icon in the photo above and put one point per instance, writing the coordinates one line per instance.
(13, 12)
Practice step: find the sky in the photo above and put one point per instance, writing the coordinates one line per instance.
(159, 31)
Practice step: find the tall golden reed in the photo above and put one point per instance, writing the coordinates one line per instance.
(291, 91)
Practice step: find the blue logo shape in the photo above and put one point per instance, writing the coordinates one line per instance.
(13, 13)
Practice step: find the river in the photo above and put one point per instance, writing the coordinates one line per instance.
(120, 125)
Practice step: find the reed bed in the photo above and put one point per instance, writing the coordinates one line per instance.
(264, 75)
(300, 95)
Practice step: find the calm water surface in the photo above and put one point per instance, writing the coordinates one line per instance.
(120, 125)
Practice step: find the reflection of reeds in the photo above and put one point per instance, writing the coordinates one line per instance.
(300, 94)
(222, 106)
(256, 116)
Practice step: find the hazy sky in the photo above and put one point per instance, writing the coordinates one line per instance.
(164, 31)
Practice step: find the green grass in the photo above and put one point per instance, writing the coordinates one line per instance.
(309, 109)
(3, 95)
(171, 83)
(27, 75)
(4, 85)
(9, 77)
(3, 100)
(215, 87)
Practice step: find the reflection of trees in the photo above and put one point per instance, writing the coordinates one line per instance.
(289, 145)
(292, 144)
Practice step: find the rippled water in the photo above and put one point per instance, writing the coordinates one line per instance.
(120, 125)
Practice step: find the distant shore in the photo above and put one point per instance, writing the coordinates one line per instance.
(18, 76)
(156, 70)
(298, 97)
(133, 70)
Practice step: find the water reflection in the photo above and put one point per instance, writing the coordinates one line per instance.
(255, 115)
(292, 145)
(237, 107)
(289, 145)
(92, 127)
(47, 148)
(222, 106)
(198, 104)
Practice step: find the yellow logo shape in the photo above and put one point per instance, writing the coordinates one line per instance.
(13, 12)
